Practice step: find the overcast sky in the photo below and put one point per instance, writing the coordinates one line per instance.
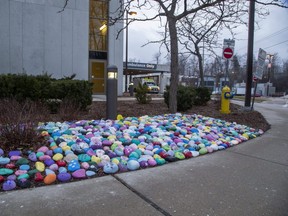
(272, 37)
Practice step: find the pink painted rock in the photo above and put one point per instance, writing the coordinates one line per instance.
(43, 149)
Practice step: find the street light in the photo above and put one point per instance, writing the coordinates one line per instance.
(111, 92)
(132, 13)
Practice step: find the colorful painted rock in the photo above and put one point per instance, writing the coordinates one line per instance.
(64, 177)
(110, 168)
(9, 185)
(50, 179)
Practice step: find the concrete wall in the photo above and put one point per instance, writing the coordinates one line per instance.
(35, 38)
(115, 46)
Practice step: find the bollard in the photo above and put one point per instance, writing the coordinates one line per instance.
(226, 95)
(111, 92)
(131, 89)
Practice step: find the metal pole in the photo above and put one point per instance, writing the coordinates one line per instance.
(111, 93)
(255, 88)
(250, 53)
(226, 73)
(126, 55)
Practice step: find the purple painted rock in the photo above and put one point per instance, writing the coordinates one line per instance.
(9, 185)
(32, 157)
(54, 167)
(20, 172)
(44, 157)
(11, 177)
(152, 162)
(64, 177)
(127, 150)
(106, 143)
(90, 152)
(14, 153)
(1, 152)
(43, 149)
(49, 153)
(49, 162)
(144, 164)
(79, 174)
(15, 158)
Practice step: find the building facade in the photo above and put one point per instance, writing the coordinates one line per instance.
(36, 38)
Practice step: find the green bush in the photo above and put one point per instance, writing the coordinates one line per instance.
(141, 94)
(185, 97)
(202, 96)
(44, 88)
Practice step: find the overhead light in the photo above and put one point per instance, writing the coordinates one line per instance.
(103, 27)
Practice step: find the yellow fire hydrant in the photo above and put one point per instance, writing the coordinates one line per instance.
(226, 95)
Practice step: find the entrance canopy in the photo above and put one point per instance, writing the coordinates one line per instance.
(137, 68)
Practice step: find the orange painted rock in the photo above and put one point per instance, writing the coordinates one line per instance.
(50, 179)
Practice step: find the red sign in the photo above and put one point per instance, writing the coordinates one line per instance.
(227, 53)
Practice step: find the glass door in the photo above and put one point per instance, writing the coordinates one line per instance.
(97, 76)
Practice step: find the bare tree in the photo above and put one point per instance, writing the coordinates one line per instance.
(156, 57)
(170, 13)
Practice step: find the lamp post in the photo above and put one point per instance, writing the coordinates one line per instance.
(111, 92)
(126, 55)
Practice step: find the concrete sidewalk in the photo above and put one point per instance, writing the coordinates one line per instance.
(248, 179)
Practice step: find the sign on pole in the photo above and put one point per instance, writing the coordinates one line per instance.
(228, 48)
(227, 53)
(260, 64)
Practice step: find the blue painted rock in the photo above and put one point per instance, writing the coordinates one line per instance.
(57, 150)
(49, 171)
(49, 162)
(79, 174)
(133, 165)
(119, 151)
(73, 165)
(90, 173)
(32, 157)
(9, 185)
(64, 177)
(5, 171)
(110, 168)
(14, 153)
(4, 160)
(1, 152)
(12, 177)
(62, 170)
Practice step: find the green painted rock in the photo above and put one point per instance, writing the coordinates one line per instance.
(203, 151)
(5, 171)
(179, 155)
(22, 161)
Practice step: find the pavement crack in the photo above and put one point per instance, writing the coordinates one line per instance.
(143, 197)
(255, 157)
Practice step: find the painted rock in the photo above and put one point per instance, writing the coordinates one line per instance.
(110, 168)
(22, 161)
(32, 157)
(49, 162)
(23, 183)
(1, 152)
(64, 177)
(57, 157)
(23, 176)
(4, 161)
(49, 171)
(57, 150)
(1, 179)
(171, 158)
(40, 166)
(79, 174)
(90, 152)
(203, 151)
(119, 151)
(179, 155)
(133, 165)
(50, 179)
(95, 159)
(12, 177)
(38, 177)
(9, 185)
(10, 166)
(152, 162)
(20, 172)
(68, 158)
(61, 163)
(32, 172)
(160, 161)
(85, 165)
(54, 167)
(5, 171)
(90, 173)
(73, 165)
(44, 157)
(14, 153)
(62, 170)
(39, 154)
(188, 154)
(43, 149)
(15, 157)
(84, 158)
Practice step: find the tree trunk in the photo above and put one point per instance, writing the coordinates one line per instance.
(173, 66)
(200, 60)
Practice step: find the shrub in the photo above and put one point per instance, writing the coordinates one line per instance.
(185, 97)
(141, 94)
(18, 124)
(202, 96)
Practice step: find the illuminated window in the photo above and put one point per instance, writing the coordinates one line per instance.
(98, 25)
